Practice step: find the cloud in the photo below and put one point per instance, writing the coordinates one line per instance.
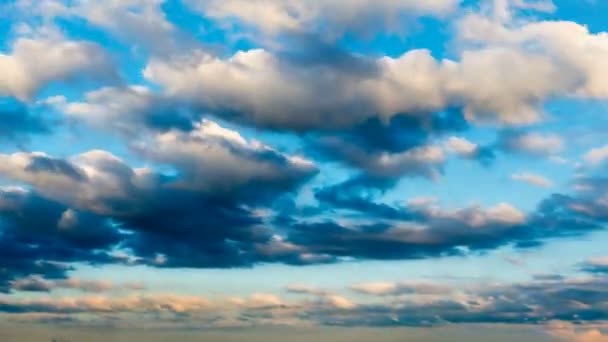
(557, 41)
(128, 110)
(530, 143)
(224, 200)
(222, 179)
(561, 302)
(461, 146)
(306, 289)
(590, 197)
(478, 82)
(209, 159)
(35, 62)
(37, 284)
(34, 241)
(275, 91)
(520, 303)
(596, 155)
(95, 194)
(215, 160)
(595, 265)
(368, 229)
(401, 147)
(469, 150)
(431, 233)
(156, 303)
(565, 331)
(401, 288)
(532, 179)
(425, 161)
(142, 23)
(361, 16)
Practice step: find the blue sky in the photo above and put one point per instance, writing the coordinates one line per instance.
(263, 164)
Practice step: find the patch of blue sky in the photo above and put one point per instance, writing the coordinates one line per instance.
(427, 33)
(221, 39)
(591, 13)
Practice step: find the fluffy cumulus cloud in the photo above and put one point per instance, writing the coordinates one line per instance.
(24, 73)
(215, 160)
(210, 159)
(567, 46)
(283, 91)
(127, 110)
(414, 82)
(161, 207)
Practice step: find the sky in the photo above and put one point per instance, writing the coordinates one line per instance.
(325, 170)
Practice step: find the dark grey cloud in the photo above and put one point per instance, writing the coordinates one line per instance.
(595, 266)
(358, 195)
(205, 215)
(400, 146)
(39, 236)
(374, 230)
(190, 220)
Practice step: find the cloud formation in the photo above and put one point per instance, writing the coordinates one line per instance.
(63, 60)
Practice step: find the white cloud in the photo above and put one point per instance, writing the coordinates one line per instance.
(139, 22)
(270, 91)
(597, 155)
(533, 179)
(127, 110)
(461, 146)
(501, 214)
(569, 47)
(531, 143)
(35, 62)
(479, 82)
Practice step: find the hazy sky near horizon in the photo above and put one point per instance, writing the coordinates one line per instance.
(324, 334)
(379, 169)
